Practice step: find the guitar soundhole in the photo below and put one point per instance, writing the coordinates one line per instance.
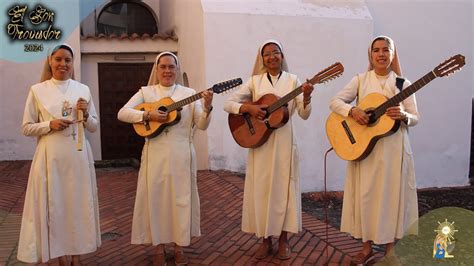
(372, 118)
(163, 108)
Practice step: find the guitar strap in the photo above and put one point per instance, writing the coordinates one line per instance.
(399, 83)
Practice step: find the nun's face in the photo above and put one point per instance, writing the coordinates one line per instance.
(272, 58)
(381, 57)
(166, 70)
(61, 64)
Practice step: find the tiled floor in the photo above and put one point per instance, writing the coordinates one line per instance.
(222, 242)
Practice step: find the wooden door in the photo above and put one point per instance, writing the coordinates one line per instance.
(118, 82)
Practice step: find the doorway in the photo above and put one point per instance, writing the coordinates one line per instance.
(118, 82)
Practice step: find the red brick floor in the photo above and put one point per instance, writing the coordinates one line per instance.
(222, 242)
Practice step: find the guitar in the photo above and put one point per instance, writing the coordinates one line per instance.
(352, 141)
(152, 129)
(250, 132)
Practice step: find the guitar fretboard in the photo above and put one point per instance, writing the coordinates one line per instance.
(283, 100)
(381, 109)
(177, 105)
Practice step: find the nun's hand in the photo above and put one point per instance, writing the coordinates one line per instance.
(83, 105)
(59, 124)
(307, 90)
(257, 111)
(158, 116)
(207, 95)
(396, 113)
(359, 115)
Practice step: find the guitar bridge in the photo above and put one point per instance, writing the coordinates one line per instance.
(348, 132)
(249, 123)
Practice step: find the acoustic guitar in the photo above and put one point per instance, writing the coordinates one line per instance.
(250, 132)
(352, 141)
(152, 129)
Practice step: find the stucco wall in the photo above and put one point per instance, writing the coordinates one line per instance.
(218, 40)
(312, 40)
(16, 80)
(425, 34)
(186, 18)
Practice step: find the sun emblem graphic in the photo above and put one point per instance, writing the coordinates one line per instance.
(444, 241)
(446, 229)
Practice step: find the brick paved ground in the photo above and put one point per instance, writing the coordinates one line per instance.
(222, 242)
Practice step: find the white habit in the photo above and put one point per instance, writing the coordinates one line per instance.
(272, 197)
(61, 212)
(380, 201)
(167, 201)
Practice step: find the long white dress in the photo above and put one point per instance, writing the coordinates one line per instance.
(272, 197)
(61, 212)
(167, 202)
(380, 202)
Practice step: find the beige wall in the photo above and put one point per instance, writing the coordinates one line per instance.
(312, 40)
(16, 80)
(186, 18)
(218, 41)
(317, 33)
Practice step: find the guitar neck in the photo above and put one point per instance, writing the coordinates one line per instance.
(177, 105)
(285, 99)
(395, 100)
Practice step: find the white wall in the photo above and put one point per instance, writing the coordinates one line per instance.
(427, 33)
(16, 80)
(312, 40)
(218, 40)
(13, 92)
(186, 18)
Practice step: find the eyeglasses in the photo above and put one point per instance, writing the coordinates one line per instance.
(274, 53)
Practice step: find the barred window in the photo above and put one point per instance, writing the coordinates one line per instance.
(126, 17)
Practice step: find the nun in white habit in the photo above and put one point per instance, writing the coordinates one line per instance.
(167, 202)
(272, 198)
(61, 212)
(380, 202)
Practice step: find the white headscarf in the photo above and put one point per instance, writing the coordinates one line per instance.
(153, 80)
(47, 73)
(259, 68)
(395, 65)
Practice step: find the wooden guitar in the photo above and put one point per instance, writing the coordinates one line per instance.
(352, 141)
(151, 129)
(250, 132)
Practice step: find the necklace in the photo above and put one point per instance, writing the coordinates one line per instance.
(66, 110)
(67, 106)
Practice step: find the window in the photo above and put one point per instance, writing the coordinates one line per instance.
(128, 18)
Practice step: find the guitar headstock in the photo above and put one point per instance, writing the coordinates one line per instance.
(226, 85)
(331, 72)
(450, 66)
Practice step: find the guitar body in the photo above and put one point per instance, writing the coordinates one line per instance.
(339, 130)
(250, 132)
(151, 129)
(352, 141)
